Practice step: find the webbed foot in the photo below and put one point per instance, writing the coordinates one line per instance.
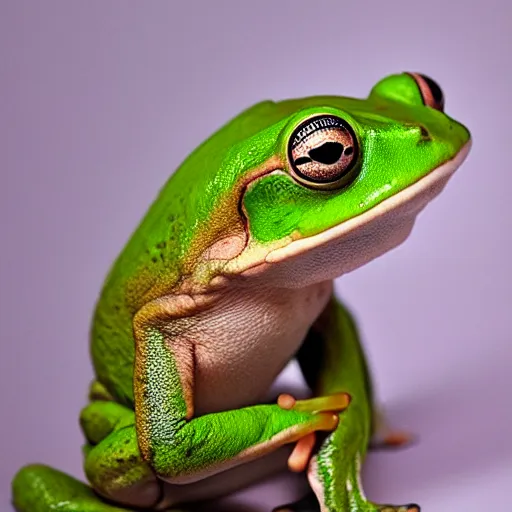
(310, 504)
(412, 507)
(307, 504)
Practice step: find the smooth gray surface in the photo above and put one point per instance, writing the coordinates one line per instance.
(101, 100)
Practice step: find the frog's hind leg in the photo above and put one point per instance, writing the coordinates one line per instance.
(112, 464)
(309, 503)
(332, 361)
(347, 496)
(38, 488)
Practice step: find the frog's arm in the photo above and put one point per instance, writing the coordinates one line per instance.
(180, 447)
(332, 360)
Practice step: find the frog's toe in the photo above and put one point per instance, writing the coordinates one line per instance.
(392, 439)
(310, 504)
(307, 504)
(385, 436)
(336, 402)
(412, 507)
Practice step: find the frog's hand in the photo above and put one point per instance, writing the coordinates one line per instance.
(332, 360)
(182, 448)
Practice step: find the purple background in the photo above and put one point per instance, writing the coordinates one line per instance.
(101, 100)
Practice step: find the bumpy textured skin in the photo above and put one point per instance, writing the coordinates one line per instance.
(228, 277)
(40, 488)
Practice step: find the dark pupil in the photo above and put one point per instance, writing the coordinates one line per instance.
(436, 91)
(328, 153)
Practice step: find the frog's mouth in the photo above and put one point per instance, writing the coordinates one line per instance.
(353, 243)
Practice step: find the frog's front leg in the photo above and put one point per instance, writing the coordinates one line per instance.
(181, 447)
(332, 360)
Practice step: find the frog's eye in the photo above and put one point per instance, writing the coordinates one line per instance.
(430, 91)
(322, 151)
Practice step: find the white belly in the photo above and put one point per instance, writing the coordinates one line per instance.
(245, 341)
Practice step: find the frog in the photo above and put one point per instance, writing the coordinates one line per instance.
(227, 279)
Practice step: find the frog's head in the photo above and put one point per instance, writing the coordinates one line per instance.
(340, 181)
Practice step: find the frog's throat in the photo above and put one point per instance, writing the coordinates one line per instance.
(353, 243)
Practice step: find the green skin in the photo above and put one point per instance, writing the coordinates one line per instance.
(140, 425)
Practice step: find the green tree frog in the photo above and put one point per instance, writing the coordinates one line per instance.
(229, 277)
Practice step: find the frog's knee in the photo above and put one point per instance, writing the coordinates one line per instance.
(97, 391)
(99, 418)
(116, 470)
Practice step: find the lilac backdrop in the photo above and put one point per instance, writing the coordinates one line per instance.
(101, 100)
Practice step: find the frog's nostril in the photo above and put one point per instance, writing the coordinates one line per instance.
(425, 134)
